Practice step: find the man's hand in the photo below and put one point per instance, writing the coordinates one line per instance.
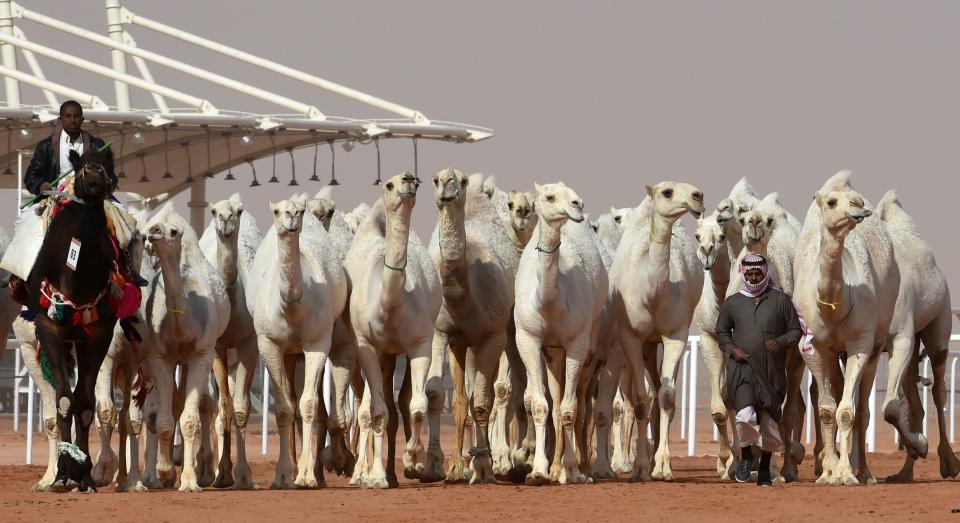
(771, 346)
(738, 355)
(44, 187)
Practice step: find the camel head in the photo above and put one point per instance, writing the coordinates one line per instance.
(164, 234)
(450, 187)
(523, 210)
(288, 215)
(841, 211)
(710, 237)
(674, 199)
(322, 205)
(356, 216)
(226, 216)
(91, 182)
(400, 192)
(754, 230)
(489, 187)
(556, 203)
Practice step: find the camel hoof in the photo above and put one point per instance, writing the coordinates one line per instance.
(641, 477)
(375, 483)
(949, 464)
(602, 472)
(797, 452)
(537, 479)
(224, 479)
(309, 483)
(190, 488)
(105, 470)
(177, 455)
(456, 473)
(899, 478)
(40, 487)
(137, 487)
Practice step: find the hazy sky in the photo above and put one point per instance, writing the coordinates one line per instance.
(607, 96)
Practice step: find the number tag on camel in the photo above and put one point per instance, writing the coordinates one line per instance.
(73, 255)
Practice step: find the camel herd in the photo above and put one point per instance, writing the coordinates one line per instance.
(552, 325)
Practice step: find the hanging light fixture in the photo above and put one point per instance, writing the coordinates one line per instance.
(416, 159)
(376, 142)
(25, 132)
(229, 176)
(123, 140)
(7, 171)
(209, 173)
(254, 183)
(348, 145)
(138, 137)
(316, 146)
(293, 169)
(273, 145)
(246, 140)
(333, 165)
(166, 160)
(143, 166)
(186, 149)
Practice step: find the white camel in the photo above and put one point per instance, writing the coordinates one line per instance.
(922, 314)
(560, 293)
(477, 262)
(186, 311)
(393, 306)
(300, 291)
(656, 283)
(230, 243)
(846, 288)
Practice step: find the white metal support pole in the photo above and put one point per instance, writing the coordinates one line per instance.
(35, 68)
(198, 201)
(17, 366)
(684, 364)
(115, 28)
(872, 426)
(176, 380)
(926, 394)
(692, 423)
(264, 422)
(953, 399)
(30, 395)
(9, 53)
(809, 416)
(328, 392)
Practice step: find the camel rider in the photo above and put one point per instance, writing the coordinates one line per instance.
(50, 161)
(756, 327)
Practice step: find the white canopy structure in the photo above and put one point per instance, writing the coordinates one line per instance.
(161, 149)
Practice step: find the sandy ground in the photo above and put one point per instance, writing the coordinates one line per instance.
(696, 493)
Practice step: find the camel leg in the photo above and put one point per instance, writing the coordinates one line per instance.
(357, 383)
(418, 366)
(607, 382)
(134, 420)
(486, 358)
(673, 346)
(106, 466)
(714, 359)
(949, 464)
(56, 352)
(433, 469)
(500, 420)
(315, 358)
(274, 362)
(633, 349)
(247, 357)
(584, 425)
(469, 432)
(525, 440)
(864, 476)
(457, 360)
(529, 348)
(403, 404)
(618, 457)
(555, 364)
(388, 367)
(28, 353)
(372, 420)
(206, 459)
(857, 356)
(571, 363)
(789, 432)
(364, 439)
(343, 360)
(123, 428)
(224, 421)
(198, 382)
(904, 347)
(151, 447)
(826, 409)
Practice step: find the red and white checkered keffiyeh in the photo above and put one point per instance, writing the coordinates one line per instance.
(754, 261)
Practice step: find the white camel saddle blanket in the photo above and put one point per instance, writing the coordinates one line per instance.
(31, 227)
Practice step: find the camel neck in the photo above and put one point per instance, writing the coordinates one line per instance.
(720, 276)
(174, 297)
(453, 255)
(735, 240)
(394, 275)
(227, 259)
(291, 276)
(86, 223)
(661, 234)
(548, 255)
(830, 284)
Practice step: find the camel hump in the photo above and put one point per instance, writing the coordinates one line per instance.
(890, 210)
(838, 182)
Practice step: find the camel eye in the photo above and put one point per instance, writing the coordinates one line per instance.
(697, 196)
(239, 213)
(596, 227)
(742, 209)
(436, 181)
(769, 222)
(213, 212)
(617, 218)
(697, 236)
(510, 206)
(276, 212)
(667, 193)
(155, 229)
(330, 214)
(831, 203)
(551, 198)
(389, 186)
(742, 222)
(723, 237)
(174, 233)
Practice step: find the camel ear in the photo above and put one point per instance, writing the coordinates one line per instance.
(561, 184)
(213, 212)
(819, 199)
(537, 187)
(74, 160)
(464, 180)
(649, 191)
(273, 206)
(613, 210)
(596, 226)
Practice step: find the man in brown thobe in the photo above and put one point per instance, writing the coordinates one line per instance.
(756, 327)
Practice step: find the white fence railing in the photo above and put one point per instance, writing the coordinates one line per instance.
(688, 386)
